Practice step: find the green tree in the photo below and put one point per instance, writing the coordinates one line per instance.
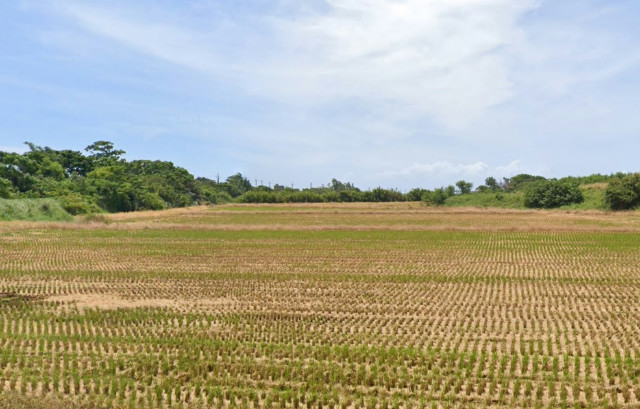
(415, 195)
(464, 187)
(51, 169)
(383, 195)
(450, 190)
(492, 183)
(339, 186)
(74, 162)
(548, 194)
(350, 196)
(103, 152)
(108, 185)
(20, 170)
(238, 184)
(623, 193)
(436, 197)
(520, 181)
(6, 188)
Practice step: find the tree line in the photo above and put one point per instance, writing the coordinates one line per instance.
(100, 179)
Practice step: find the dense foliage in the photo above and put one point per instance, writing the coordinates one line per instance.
(548, 194)
(623, 193)
(100, 179)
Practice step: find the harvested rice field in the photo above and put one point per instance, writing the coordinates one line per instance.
(324, 306)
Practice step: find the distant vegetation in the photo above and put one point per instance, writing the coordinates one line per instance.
(100, 180)
(32, 209)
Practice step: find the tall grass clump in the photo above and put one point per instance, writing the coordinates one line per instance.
(32, 209)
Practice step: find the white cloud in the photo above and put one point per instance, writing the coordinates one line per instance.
(445, 172)
(443, 58)
(446, 167)
(172, 43)
(447, 59)
(511, 169)
(439, 167)
(365, 85)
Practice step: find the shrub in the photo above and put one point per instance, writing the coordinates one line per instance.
(383, 195)
(6, 188)
(150, 201)
(415, 195)
(32, 209)
(77, 204)
(255, 196)
(436, 197)
(548, 194)
(331, 196)
(623, 193)
(304, 197)
(350, 196)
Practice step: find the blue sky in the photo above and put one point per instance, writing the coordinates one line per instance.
(397, 93)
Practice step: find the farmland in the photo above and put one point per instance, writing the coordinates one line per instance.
(324, 306)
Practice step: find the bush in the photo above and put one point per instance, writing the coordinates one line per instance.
(6, 188)
(303, 197)
(255, 196)
(436, 197)
(32, 209)
(77, 204)
(331, 196)
(521, 181)
(623, 193)
(212, 196)
(552, 193)
(415, 195)
(350, 196)
(383, 195)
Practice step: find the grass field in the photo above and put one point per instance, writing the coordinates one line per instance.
(322, 306)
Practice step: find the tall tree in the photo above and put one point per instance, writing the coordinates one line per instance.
(238, 184)
(464, 187)
(103, 152)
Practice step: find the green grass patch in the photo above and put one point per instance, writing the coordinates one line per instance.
(503, 200)
(593, 199)
(32, 209)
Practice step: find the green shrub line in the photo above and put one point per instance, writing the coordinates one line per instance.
(100, 180)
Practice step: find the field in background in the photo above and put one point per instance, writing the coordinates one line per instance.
(332, 306)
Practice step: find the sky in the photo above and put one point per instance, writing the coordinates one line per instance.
(391, 93)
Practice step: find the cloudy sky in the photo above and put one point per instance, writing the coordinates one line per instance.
(396, 93)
